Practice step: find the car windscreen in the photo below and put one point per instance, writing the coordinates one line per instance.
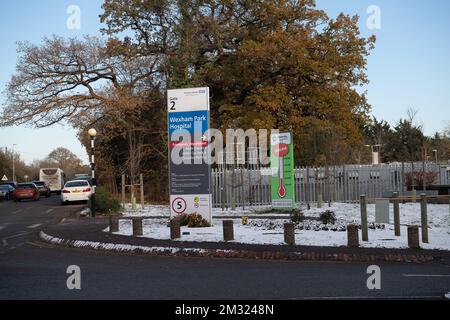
(75, 184)
(39, 184)
(49, 172)
(8, 184)
(26, 186)
(4, 188)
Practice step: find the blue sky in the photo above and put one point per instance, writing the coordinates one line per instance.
(409, 67)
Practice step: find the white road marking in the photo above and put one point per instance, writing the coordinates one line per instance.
(40, 245)
(17, 211)
(49, 210)
(34, 226)
(2, 227)
(4, 243)
(427, 275)
(20, 234)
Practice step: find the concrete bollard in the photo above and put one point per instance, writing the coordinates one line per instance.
(289, 233)
(137, 227)
(113, 224)
(396, 215)
(413, 237)
(424, 217)
(364, 226)
(175, 229)
(353, 236)
(228, 230)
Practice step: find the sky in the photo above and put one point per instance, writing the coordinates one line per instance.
(409, 67)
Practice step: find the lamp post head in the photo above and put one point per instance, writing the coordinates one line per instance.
(92, 133)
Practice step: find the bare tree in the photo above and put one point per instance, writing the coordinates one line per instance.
(72, 80)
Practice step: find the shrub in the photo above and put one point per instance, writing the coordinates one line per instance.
(105, 202)
(418, 176)
(297, 216)
(328, 217)
(193, 220)
(184, 219)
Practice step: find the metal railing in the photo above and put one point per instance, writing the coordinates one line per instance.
(246, 186)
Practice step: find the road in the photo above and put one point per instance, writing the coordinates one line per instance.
(32, 270)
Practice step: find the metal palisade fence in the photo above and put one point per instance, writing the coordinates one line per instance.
(246, 186)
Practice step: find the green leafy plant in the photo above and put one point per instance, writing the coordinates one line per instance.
(105, 202)
(328, 217)
(297, 216)
(193, 220)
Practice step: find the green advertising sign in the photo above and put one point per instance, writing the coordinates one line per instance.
(282, 167)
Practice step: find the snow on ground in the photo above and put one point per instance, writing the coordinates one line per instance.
(261, 233)
(148, 211)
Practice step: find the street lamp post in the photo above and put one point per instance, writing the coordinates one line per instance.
(437, 164)
(92, 133)
(14, 163)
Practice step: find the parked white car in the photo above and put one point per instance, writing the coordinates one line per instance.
(76, 190)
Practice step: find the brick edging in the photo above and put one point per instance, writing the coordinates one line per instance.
(242, 254)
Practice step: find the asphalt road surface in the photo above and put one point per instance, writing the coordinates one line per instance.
(33, 270)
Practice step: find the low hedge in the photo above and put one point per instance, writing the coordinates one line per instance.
(105, 202)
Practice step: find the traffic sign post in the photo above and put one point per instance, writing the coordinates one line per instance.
(189, 173)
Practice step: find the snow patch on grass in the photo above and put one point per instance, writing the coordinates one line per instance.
(258, 232)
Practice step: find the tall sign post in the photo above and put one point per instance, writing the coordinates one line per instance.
(189, 173)
(282, 167)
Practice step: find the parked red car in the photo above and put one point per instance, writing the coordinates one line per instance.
(26, 191)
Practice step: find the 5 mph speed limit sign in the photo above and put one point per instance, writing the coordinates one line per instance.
(179, 205)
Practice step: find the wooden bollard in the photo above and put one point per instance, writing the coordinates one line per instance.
(396, 215)
(175, 229)
(353, 236)
(289, 233)
(228, 231)
(113, 224)
(413, 237)
(424, 217)
(364, 227)
(137, 227)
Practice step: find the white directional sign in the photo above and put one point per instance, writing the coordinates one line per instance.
(5, 178)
